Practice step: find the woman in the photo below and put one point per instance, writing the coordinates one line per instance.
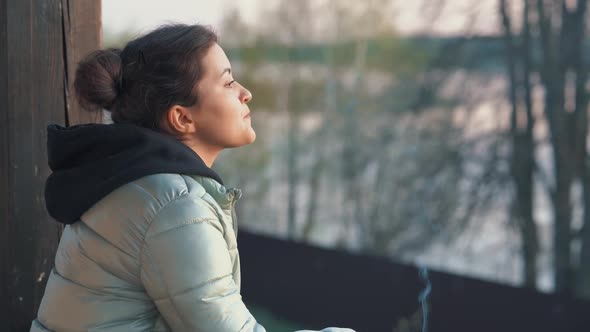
(150, 241)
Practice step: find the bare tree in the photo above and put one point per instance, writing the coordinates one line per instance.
(564, 75)
(523, 145)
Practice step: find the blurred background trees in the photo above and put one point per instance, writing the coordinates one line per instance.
(465, 152)
(548, 53)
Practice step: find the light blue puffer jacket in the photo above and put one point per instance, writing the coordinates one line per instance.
(156, 254)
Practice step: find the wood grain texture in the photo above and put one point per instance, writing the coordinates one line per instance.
(4, 168)
(82, 35)
(34, 67)
(34, 97)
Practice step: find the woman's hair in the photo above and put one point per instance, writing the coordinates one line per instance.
(139, 83)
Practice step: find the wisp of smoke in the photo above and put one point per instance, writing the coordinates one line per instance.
(423, 297)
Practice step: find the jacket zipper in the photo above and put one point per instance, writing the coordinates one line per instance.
(235, 196)
(234, 218)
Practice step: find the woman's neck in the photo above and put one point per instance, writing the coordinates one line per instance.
(207, 154)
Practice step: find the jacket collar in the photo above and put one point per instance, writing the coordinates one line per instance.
(222, 195)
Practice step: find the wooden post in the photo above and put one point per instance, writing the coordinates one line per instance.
(40, 43)
(82, 34)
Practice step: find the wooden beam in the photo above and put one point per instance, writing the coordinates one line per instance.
(82, 35)
(4, 168)
(33, 93)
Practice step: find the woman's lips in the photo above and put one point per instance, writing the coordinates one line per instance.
(247, 115)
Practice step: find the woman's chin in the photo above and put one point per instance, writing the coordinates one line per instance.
(251, 136)
(248, 138)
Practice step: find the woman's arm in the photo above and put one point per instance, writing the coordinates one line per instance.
(187, 271)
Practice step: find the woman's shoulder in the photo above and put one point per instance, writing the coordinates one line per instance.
(140, 201)
(180, 200)
(166, 187)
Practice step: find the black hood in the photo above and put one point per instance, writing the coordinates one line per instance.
(91, 160)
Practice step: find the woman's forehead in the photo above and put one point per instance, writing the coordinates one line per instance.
(215, 62)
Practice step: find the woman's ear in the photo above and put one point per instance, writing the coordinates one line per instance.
(180, 120)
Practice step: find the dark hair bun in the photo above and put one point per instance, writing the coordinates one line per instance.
(98, 79)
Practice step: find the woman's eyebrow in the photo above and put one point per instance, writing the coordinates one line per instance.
(226, 70)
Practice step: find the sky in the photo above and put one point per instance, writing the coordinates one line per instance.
(142, 15)
(410, 17)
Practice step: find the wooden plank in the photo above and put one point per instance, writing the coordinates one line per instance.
(35, 97)
(82, 34)
(48, 84)
(4, 167)
(33, 94)
(17, 300)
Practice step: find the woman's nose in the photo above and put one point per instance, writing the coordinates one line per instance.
(246, 96)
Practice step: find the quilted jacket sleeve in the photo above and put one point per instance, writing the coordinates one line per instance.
(187, 270)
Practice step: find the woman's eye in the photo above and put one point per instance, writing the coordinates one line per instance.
(230, 83)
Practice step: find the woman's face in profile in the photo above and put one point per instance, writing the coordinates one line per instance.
(222, 114)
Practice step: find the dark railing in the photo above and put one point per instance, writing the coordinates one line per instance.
(318, 288)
